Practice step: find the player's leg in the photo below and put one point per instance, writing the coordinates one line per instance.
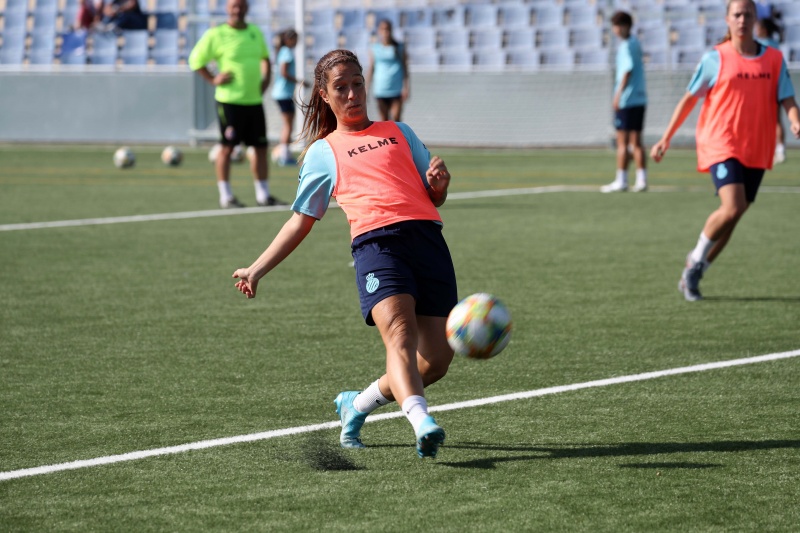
(640, 160)
(620, 183)
(396, 109)
(222, 165)
(383, 108)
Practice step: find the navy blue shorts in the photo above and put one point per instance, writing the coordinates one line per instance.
(242, 124)
(388, 100)
(409, 257)
(629, 119)
(286, 106)
(732, 171)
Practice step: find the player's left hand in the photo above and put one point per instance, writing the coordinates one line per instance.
(247, 284)
(796, 129)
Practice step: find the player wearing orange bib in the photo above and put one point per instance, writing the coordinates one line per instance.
(390, 187)
(741, 81)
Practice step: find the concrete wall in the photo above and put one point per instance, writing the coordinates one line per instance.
(446, 108)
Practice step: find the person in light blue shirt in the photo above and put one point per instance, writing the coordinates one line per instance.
(630, 102)
(387, 75)
(768, 33)
(283, 93)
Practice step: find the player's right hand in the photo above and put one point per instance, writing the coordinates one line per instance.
(247, 285)
(222, 78)
(659, 150)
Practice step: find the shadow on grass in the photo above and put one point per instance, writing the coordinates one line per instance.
(666, 466)
(325, 456)
(538, 453)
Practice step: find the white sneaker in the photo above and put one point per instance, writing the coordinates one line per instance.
(615, 186)
(639, 187)
(779, 157)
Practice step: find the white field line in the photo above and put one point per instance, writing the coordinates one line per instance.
(200, 445)
(251, 210)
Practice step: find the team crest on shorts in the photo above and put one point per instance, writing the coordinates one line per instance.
(722, 172)
(372, 283)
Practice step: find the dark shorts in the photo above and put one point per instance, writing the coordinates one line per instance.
(242, 124)
(405, 258)
(732, 171)
(629, 119)
(388, 100)
(286, 106)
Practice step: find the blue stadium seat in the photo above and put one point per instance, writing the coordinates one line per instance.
(104, 49)
(456, 58)
(789, 11)
(546, 15)
(586, 37)
(553, 37)
(420, 38)
(356, 38)
(73, 48)
(792, 36)
(493, 59)
(690, 36)
(448, 16)
(520, 38)
(528, 59)
(481, 15)
(43, 43)
(134, 47)
(487, 39)
(514, 15)
(428, 58)
(594, 57)
(15, 20)
(654, 38)
(658, 58)
(686, 57)
(453, 38)
(582, 15)
(165, 47)
(321, 19)
(166, 21)
(13, 50)
(352, 18)
(416, 17)
(558, 58)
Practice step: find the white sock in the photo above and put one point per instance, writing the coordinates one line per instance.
(780, 148)
(285, 153)
(370, 398)
(225, 192)
(622, 177)
(416, 410)
(641, 176)
(700, 252)
(262, 190)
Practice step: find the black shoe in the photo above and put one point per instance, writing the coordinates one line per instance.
(233, 202)
(271, 201)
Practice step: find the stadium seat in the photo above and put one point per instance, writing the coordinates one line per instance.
(43, 43)
(374, 16)
(715, 31)
(456, 58)
(73, 48)
(690, 37)
(104, 49)
(594, 57)
(13, 50)
(356, 38)
(520, 38)
(413, 18)
(515, 15)
(166, 21)
(487, 39)
(69, 17)
(654, 38)
(558, 58)
(586, 37)
(420, 38)
(554, 37)
(15, 20)
(686, 57)
(134, 47)
(426, 58)
(791, 36)
(453, 38)
(481, 15)
(789, 11)
(321, 19)
(490, 59)
(448, 16)
(528, 59)
(165, 47)
(352, 18)
(578, 15)
(658, 58)
(171, 6)
(548, 15)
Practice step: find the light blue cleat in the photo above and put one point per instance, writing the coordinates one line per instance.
(429, 437)
(352, 420)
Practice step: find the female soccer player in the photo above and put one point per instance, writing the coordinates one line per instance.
(389, 187)
(741, 81)
(387, 75)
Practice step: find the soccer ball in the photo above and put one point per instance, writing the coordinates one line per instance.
(479, 326)
(124, 158)
(171, 156)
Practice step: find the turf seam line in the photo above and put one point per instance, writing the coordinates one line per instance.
(200, 445)
(251, 210)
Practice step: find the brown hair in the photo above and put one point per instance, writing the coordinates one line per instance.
(622, 18)
(319, 119)
(728, 3)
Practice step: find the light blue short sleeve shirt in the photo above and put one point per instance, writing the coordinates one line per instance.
(283, 89)
(629, 59)
(707, 71)
(318, 173)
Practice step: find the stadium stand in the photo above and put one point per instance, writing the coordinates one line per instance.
(494, 33)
